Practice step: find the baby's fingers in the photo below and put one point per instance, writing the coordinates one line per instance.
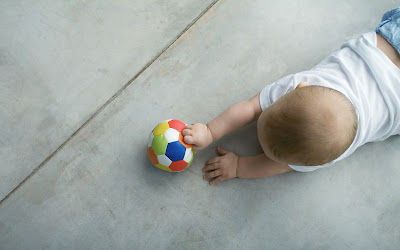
(188, 139)
(210, 167)
(188, 126)
(217, 180)
(213, 174)
(213, 160)
(186, 132)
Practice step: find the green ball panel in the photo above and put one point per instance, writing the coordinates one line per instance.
(159, 144)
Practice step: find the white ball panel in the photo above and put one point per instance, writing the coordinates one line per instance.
(164, 160)
(188, 155)
(171, 135)
(150, 141)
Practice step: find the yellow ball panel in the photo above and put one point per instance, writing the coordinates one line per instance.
(161, 128)
(160, 166)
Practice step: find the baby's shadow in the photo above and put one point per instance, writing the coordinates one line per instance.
(243, 142)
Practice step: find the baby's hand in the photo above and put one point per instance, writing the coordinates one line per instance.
(197, 134)
(221, 168)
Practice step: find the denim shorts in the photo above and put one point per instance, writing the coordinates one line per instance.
(390, 28)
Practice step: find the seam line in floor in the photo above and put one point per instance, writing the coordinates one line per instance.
(154, 59)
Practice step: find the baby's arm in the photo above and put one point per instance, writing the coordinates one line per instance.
(260, 166)
(228, 166)
(235, 117)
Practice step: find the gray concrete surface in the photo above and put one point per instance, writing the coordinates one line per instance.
(100, 190)
(60, 61)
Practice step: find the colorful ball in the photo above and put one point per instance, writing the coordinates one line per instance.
(166, 148)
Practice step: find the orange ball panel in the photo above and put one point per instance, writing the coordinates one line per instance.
(152, 156)
(183, 142)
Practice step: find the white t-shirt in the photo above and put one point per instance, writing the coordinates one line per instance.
(366, 76)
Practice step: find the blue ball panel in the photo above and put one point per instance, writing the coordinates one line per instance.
(175, 151)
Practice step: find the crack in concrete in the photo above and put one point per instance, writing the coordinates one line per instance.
(154, 59)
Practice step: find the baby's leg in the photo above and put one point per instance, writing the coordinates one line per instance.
(388, 35)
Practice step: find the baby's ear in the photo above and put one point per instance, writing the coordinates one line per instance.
(302, 84)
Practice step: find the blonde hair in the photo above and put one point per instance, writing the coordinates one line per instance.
(310, 126)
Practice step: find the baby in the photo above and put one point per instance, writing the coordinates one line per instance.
(315, 118)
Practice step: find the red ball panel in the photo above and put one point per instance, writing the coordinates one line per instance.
(177, 125)
(178, 165)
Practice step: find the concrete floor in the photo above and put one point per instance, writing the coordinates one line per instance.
(74, 171)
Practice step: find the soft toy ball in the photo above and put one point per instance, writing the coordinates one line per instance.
(166, 148)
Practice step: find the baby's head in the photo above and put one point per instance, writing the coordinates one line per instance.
(309, 126)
